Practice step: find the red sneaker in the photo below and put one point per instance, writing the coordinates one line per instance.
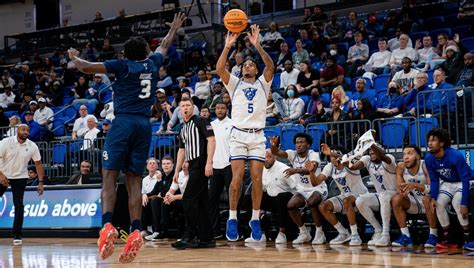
(133, 245)
(107, 237)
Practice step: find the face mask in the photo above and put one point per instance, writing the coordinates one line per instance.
(392, 90)
(290, 93)
(332, 52)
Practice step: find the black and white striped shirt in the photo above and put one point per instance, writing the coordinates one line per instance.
(193, 137)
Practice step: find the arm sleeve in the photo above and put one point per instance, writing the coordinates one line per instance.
(204, 127)
(36, 156)
(233, 81)
(434, 179)
(174, 186)
(174, 118)
(314, 156)
(267, 86)
(464, 172)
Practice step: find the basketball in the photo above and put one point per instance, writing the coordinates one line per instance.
(235, 20)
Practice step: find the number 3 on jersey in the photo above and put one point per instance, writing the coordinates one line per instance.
(250, 108)
(146, 89)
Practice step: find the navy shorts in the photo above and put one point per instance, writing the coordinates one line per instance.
(127, 144)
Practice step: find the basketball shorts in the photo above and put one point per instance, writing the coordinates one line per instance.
(338, 202)
(247, 144)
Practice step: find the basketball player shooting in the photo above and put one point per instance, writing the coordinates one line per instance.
(247, 142)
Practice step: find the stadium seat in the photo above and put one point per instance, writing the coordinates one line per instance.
(342, 48)
(317, 132)
(461, 30)
(70, 113)
(433, 22)
(380, 93)
(290, 41)
(381, 81)
(326, 99)
(151, 150)
(430, 76)
(418, 35)
(155, 127)
(392, 134)
(59, 154)
(9, 114)
(276, 80)
(274, 55)
(434, 34)
(58, 127)
(468, 43)
(165, 140)
(287, 134)
(271, 132)
(425, 125)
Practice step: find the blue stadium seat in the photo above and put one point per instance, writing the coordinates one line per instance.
(59, 154)
(58, 127)
(271, 132)
(373, 44)
(425, 125)
(342, 48)
(276, 80)
(151, 150)
(418, 35)
(155, 127)
(380, 93)
(468, 43)
(9, 114)
(430, 76)
(287, 134)
(393, 134)
(317, 132)
(326, 99)
(165, 141)
(291, 41)
(274, 55)
(70, 113)
(381, 81)
(433, 22)
(461, 30)
(75, 146)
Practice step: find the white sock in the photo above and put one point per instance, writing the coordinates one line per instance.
(255, 214)
(354, 229)
(340, 228)
(232, 214)
(303, 229)
(319, 229)
(405, 231)
(434, 231)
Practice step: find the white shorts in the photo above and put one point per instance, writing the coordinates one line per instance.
(416, 205)
(306, 193)
(375, 200)
(450, 189)
(247, 145)
(338, 202)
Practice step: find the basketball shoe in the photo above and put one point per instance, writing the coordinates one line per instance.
(107, 237)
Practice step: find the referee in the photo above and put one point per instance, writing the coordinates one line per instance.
(197, 145)
(15, 154)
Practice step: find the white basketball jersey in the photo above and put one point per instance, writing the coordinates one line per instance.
(383, 175)
(249, 102)
(348, 181)
(419, 177)
(304, 182)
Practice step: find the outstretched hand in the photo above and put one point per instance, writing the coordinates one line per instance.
(254, 34)
(178, 21)
(274, 141)
(325, 149)
(231, 38)
(72, 53)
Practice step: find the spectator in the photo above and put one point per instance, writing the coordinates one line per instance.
(226, 101)
(466, 11)
(25, 104)
(272, 113)
(80, 125)
(106, 125)
(98, 17)
(362, 92)
(165, 82)
(332, 76)
(318, 46)
(391, 24)
(307, 79)
(33, 179)
(441, 100)
(346, 103)
(205, 113)
(35, 128)
(366, 34)
(305, 41)
(108, 111)
(307, 15)
(84, 175)
(183, 84)
(27, 77)
(410, 99)
(7, 99)
(14, 122)
(195, 62)
(165, 116)
(151, 209)
(80, 88)
(32, 107)
(316, 112)
(91, 134)
(57, 95)
(300, 54)
(391, 103)
(177, 119)
(404, 51)
(4, 121)
(452, 65)
(333, 30)
(364, 111)
(335, 134)
(292, 107)
(202, 89)
(239, 59)
(405, 78)
(95, 90)
(394, 43)
(167, 174)
(357, 55)
(283, 56)
(239, 47)
(289, 76)
(6, 75)
(466, 76)
(378, 62)
(352, 24)
(218, 86)
(108, 51)
(425, 53)
(44, 115)
(319, 18)
(339, 58)
(272, 39)
(443, 43)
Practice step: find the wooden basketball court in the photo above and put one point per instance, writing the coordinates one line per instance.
(51, 252)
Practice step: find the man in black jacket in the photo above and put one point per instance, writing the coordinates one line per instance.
(84, 176)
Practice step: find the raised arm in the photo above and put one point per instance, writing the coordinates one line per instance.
(379, 152)
(167, 41)
(274, 148)
(254, 36)
(86, 66)
(220, 65)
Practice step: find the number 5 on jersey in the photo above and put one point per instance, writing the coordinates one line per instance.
(250, 108)
(146, 89)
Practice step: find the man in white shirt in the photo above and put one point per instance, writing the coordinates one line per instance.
(150, 210)
(425, 53)
(278, 189)
(80, 125)
(405, 78)
(7, 98)
(108, 111)
(222, 171)
(91, 134)
(44, 115)
(378, 62)
(239, 59)
(202, 89)
(394, 43)
(357, 54)
(15, 154)
(402, 52)
(289, 76)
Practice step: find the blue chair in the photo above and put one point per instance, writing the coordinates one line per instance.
(58, 127)
(461, 30)
(425, 125)
(9, 114)
(290, 41)
(468, 43)
(271, 132)
(151, 150)
(326, 99)
(276, 80)
(287, 134)
(274, 55)
(432, 22)
(75, 146)
(155, 127)
(381, 81)
(418, 35)
(380, 93)
(70, 113)
(59, 154)
(67, 100)
(165, 141)
(342, 48)
(393, 134)
(317, 132)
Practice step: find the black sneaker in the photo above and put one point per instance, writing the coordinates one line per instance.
(184, 244)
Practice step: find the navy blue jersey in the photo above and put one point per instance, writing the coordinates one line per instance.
(135, 85)
(450, 168)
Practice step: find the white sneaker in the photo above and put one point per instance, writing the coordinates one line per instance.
(17, 241)
(355, 240)
(263, 239)
(152, 236)
(374, 238)
(383, 241)
(303, 237)
(340, 239)
(281, 238)
(319, 238)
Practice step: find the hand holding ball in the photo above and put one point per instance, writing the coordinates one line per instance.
(235, 20)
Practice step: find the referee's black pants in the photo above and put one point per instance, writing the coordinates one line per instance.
(196, 202)
(18, 191)
(220, 178)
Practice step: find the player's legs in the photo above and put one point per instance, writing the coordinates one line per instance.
(432, 221)
(238, 169)
(296, 202)
(283, 216)
(456, 203)
(350, 207)
(441, 211)
(313, 202)
(18, 192)
(367, 204)
(327, 209)
(256, 170)
(400, 204)
(385, 213)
